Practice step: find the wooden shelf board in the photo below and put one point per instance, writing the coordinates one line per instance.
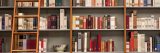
(27, 16)
(97, 29)
(98, 7)
(28, 50)
(144, 7)
(54, 29)
(25, 32)
(27, 0)
(145, 29)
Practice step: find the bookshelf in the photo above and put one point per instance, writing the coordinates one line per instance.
(120, 35)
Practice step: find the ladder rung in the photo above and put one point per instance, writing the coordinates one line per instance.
(27, 16)
(27, 0)
(25, 32)
(28, 50)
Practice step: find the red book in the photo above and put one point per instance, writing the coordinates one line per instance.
(107, 46)
(90, 45)
(84, 23)
(94, 45)
(127, 21)
(108, 3)
(132, 42)
(99, 41)
(31, 44)
(101, 22)
(42, 44)
(42, 3)
(1, 45)
(112, 45)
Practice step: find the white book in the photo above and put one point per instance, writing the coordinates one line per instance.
(104, 3)
(8, 21)
(51, 3)
(19, 4)
(79, 41)
(150, 42)
(24, 44)
(75, 47)
(40, 47)
(45, 3)
(0, 22)
(62, 18)
(157, 3)
(145, 50)
(45, 44)
(65, 22)
(127, 3)
(130, 3)
(153, 2)
(85, 42)
(139, 42)
(142, 42)
(88, 3)
(35, 4)
(112, 22)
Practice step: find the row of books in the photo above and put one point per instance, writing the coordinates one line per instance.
(139, 43)
(2, 45)
(5, 22)
(54, 21)
(25, 42)
(83, 42)
(135, 22)
(27, 23)
(95, 3)
(6, 2)
(141, 3)
(44, 3)
(93, 22)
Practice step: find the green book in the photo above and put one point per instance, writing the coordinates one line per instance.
(58, 2)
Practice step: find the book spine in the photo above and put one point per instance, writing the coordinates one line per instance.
(0, 22)
(79, 42)
(40, 46)
(112, 22)
(51, 3)
(150, 42)
(76, 47)
(127, 22)
(62, 11)
(108, 22)
(85, 42)
(58, 2)
(90, 45)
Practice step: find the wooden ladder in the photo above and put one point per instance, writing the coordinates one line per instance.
(15, 33)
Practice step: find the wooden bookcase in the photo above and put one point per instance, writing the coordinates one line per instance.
(56, 36)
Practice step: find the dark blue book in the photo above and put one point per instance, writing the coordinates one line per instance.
(145, 2)
(3, 22)
(35, 23)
